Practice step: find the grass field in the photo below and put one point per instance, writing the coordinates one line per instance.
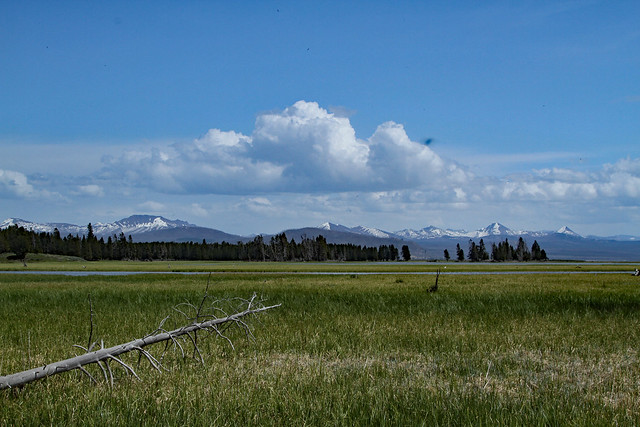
(41, 262)
(341, 350)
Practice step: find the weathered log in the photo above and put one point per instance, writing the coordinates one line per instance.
(105, 355)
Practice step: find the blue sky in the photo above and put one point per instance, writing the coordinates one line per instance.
(252, 117)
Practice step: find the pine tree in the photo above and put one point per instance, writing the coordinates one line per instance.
(473, 251)
(482, 251)
(536, 252)
(406, 254)
(522, 252)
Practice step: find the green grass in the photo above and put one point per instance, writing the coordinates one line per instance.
(40, 262)
(342, 350)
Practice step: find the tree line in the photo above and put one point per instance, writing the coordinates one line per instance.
(502, 251)
(21, 241)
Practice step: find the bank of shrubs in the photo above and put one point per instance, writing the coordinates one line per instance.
(21, 241)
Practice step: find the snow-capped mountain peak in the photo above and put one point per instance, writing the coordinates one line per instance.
(368, 231)
(495, 229)
(567, 231)
(431, 232)
(329, 226)
(132, 225)
(43, 228)
(10, 222)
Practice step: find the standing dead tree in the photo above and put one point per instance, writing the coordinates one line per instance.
(205, 320)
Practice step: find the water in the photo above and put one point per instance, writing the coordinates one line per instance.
(321, 273)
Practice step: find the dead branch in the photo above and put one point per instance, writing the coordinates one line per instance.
(104, 355)
(434, 288)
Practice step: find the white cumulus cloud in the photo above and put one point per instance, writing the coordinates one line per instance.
(303, 148)
(90, 190)
(619, 181)
(15, 184)
(307, 161)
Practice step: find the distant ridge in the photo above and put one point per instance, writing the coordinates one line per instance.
(493, 229)
(355, 236)
(141, 228)
(427, 243)
(367, 231)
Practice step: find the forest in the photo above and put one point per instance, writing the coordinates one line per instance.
(21, 241)
(501, 251)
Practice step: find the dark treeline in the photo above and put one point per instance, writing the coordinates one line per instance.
(502, 251)
(20, 241)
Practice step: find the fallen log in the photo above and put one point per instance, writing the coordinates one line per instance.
(105, 355)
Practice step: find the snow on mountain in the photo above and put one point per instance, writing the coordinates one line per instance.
(140, 224)
(367, 231)
(135, 224)
(10, 222)
(407, 233)
(567, 231)
(329, 226)
(495, 229)
(43, 228)
(431, 232)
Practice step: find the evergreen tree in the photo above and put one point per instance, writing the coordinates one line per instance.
(18, 240)
(406, 254)
(447, 257)
(536, 252)
(482, 251)
(394, 253)
(473, 251)
(321, 249)
(522, 252)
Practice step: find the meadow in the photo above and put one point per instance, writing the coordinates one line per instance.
(44, 262)
(343, 349)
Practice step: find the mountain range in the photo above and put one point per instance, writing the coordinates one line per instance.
(426, 243)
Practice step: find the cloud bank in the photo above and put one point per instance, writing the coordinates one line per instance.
(306, 149)
(619, 181)
(16, 185)
(307, 164)
(302, 149)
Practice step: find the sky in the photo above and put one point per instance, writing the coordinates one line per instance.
(257, 116)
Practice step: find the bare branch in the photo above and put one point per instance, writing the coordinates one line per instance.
(196, 350)
(152, 360)
(106, 362)
(221, 335)
(88, 374)
(104, 355)
(104, 372)
(89, 345)
(127, 367)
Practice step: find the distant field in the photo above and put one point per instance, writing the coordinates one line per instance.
(58, 263)
(342, 350)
